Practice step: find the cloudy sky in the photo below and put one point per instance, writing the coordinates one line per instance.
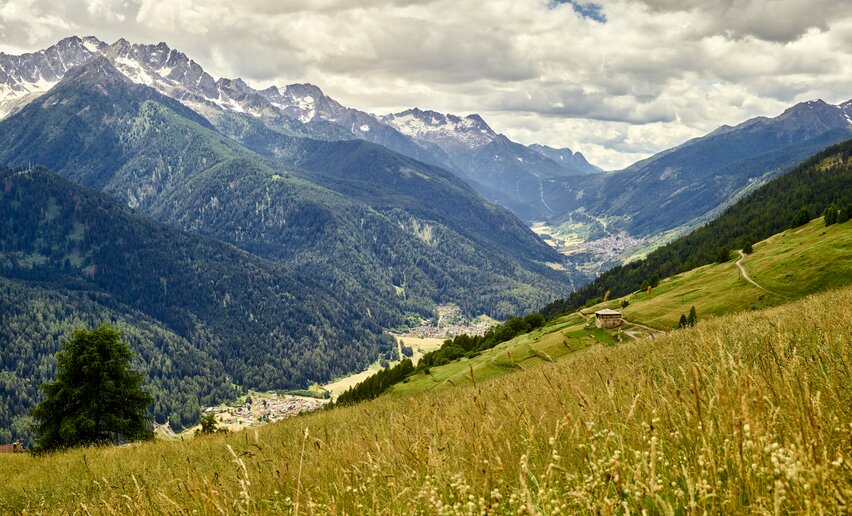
(615, 79)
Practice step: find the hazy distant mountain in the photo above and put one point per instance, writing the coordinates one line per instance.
(684, 183)
(678, 189)
(567, 158)
(503, 171)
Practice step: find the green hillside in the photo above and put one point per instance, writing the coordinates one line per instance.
(749, 413)
(789, 265)
(818, 182)
(563, 336)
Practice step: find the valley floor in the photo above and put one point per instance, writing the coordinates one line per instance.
(743, 413)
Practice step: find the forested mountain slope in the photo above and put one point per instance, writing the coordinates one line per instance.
(388, 250)
(252, 320)
(181, 376)
(385, 180)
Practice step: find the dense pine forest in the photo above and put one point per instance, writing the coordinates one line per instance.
(193, 308)
(820, 182)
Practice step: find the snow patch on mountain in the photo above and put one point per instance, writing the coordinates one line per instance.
(135, 72)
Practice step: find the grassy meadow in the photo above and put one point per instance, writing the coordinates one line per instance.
(565, 335)
(790, 265)
(743, 413)
(803, 260)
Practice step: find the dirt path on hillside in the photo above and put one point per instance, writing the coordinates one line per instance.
(652, 331)
(746, 277)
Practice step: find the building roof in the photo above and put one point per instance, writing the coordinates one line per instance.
(11, 448)
(607, 311)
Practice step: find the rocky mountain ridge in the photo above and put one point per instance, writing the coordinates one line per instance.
(445, 140)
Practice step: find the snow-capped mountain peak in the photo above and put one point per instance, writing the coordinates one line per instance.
(296, 100)
(450, 132)
(440, 139)
(24, 77)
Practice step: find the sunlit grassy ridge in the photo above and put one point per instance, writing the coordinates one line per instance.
(744, 413)
(790, 265)
(564, 335)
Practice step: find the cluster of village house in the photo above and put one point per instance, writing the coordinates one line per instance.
(264, 410)
(450, 323)
(448, 331)
(605, 318)
(611, 247)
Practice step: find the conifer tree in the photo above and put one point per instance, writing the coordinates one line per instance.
(801, 218)
(692, 318)
(830, 215)
(654, 281)
(96, 398)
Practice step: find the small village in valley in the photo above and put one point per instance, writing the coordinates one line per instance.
(255, 408)
(448, 322)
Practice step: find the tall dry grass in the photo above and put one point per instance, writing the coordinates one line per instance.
(748, 413)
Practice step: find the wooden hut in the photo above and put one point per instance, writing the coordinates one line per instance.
(15, 447)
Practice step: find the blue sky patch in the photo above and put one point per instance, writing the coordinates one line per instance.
(588, 10)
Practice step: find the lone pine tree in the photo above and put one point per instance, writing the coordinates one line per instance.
(96, 398)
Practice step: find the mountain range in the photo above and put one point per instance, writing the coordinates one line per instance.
(467, 146)
(668, 193)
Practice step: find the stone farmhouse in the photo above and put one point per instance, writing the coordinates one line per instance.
(607, 318)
